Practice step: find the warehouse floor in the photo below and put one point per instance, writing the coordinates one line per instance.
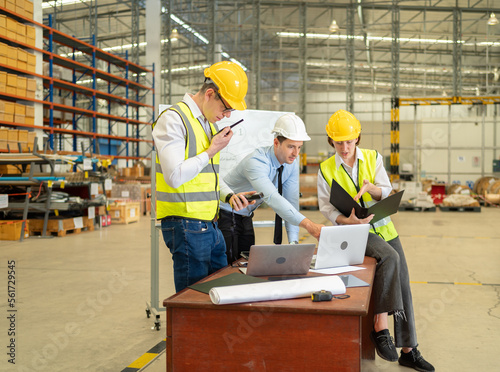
(81, 299)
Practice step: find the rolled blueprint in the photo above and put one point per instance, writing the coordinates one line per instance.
(276, 290)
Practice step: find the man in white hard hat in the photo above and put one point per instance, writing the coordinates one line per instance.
(259, 172)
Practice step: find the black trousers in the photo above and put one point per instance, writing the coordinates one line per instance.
(238, 233)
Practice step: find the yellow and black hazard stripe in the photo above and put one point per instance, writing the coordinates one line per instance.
(394, 138)
(147, 358)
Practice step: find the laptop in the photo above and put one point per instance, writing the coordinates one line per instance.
(284, 259)
(341, 246)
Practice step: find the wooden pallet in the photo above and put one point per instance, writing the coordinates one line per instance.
(61, 227)
(414, 208)
(61, 233)
(459, 209)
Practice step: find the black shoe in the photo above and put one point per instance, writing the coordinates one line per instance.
(384, 345)
(415, 360)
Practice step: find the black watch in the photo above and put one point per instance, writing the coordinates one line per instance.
(229, 196)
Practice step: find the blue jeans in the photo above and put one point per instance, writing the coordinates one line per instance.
(198, 249)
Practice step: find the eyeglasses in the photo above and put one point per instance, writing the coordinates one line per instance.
(226, 109)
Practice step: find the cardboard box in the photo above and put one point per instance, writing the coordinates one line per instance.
(19, 119)
(11, 24)
(12, 138)
(10, 5)
(21, 28)
(31, 85)
(10, 90)
(28, 6)
(3, 18)
(3, 136)
(124, 212)
(20, 10)
(11, 61)
(20, 92)
(22, 82)
(11, 80)
(3, 77)
(30, 111)
(22, 55)
(11, 34)
(4, 48)
(31, 59)
(22, 65)
(31, 141)
(9, 107)
(11, 230)
(30, 35)
(22, 136)
(3, 87)
(19, 109)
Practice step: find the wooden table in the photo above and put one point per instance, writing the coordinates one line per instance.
(286, 335)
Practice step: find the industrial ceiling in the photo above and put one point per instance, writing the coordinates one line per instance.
(394, 48)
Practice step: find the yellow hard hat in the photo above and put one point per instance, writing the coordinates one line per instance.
(232, 82)
(343, 126)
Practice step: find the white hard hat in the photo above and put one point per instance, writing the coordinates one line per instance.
(292, 127)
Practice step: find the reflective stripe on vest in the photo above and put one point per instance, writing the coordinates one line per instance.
(366, 171)
(197, 198)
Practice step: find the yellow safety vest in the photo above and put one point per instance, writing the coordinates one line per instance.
(199, 197)
(366, 171)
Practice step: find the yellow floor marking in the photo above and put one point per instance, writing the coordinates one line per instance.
(143, 360)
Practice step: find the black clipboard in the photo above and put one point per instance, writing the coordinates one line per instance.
(341, 200)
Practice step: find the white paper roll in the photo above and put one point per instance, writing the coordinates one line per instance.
(276, 290)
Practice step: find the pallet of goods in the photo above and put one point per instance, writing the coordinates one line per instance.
(62, 226)
(11, 230)
(124, 212)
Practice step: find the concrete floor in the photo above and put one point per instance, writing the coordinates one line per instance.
(81, 299)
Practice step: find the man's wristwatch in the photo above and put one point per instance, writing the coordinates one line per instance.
(229, 196)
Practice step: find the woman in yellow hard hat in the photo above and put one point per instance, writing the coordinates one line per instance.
(187, 171)
(361, 173)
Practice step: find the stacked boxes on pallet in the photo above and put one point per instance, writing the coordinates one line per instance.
(11, 138)
(19, 57)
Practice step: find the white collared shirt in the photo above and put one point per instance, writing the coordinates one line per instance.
(381, 180)
(169, 135)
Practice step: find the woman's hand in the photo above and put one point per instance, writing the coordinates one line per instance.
(353, 220)
(374, 191)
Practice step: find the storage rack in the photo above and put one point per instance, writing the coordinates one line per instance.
(120, 76)
(50, 183)
(28, 182)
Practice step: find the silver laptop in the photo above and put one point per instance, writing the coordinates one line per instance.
(284, 259)
(341, 246)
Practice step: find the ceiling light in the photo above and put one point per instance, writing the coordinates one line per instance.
(492, 21)
(174, 35)
(334, 27)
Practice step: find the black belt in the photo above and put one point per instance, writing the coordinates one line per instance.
(173, 218)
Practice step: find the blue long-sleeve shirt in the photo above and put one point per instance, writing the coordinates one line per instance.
(258, 171)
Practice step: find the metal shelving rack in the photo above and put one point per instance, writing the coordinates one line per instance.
(136, 81)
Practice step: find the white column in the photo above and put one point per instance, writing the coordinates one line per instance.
(153, 47)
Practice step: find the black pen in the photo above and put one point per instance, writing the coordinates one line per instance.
(231, 126)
